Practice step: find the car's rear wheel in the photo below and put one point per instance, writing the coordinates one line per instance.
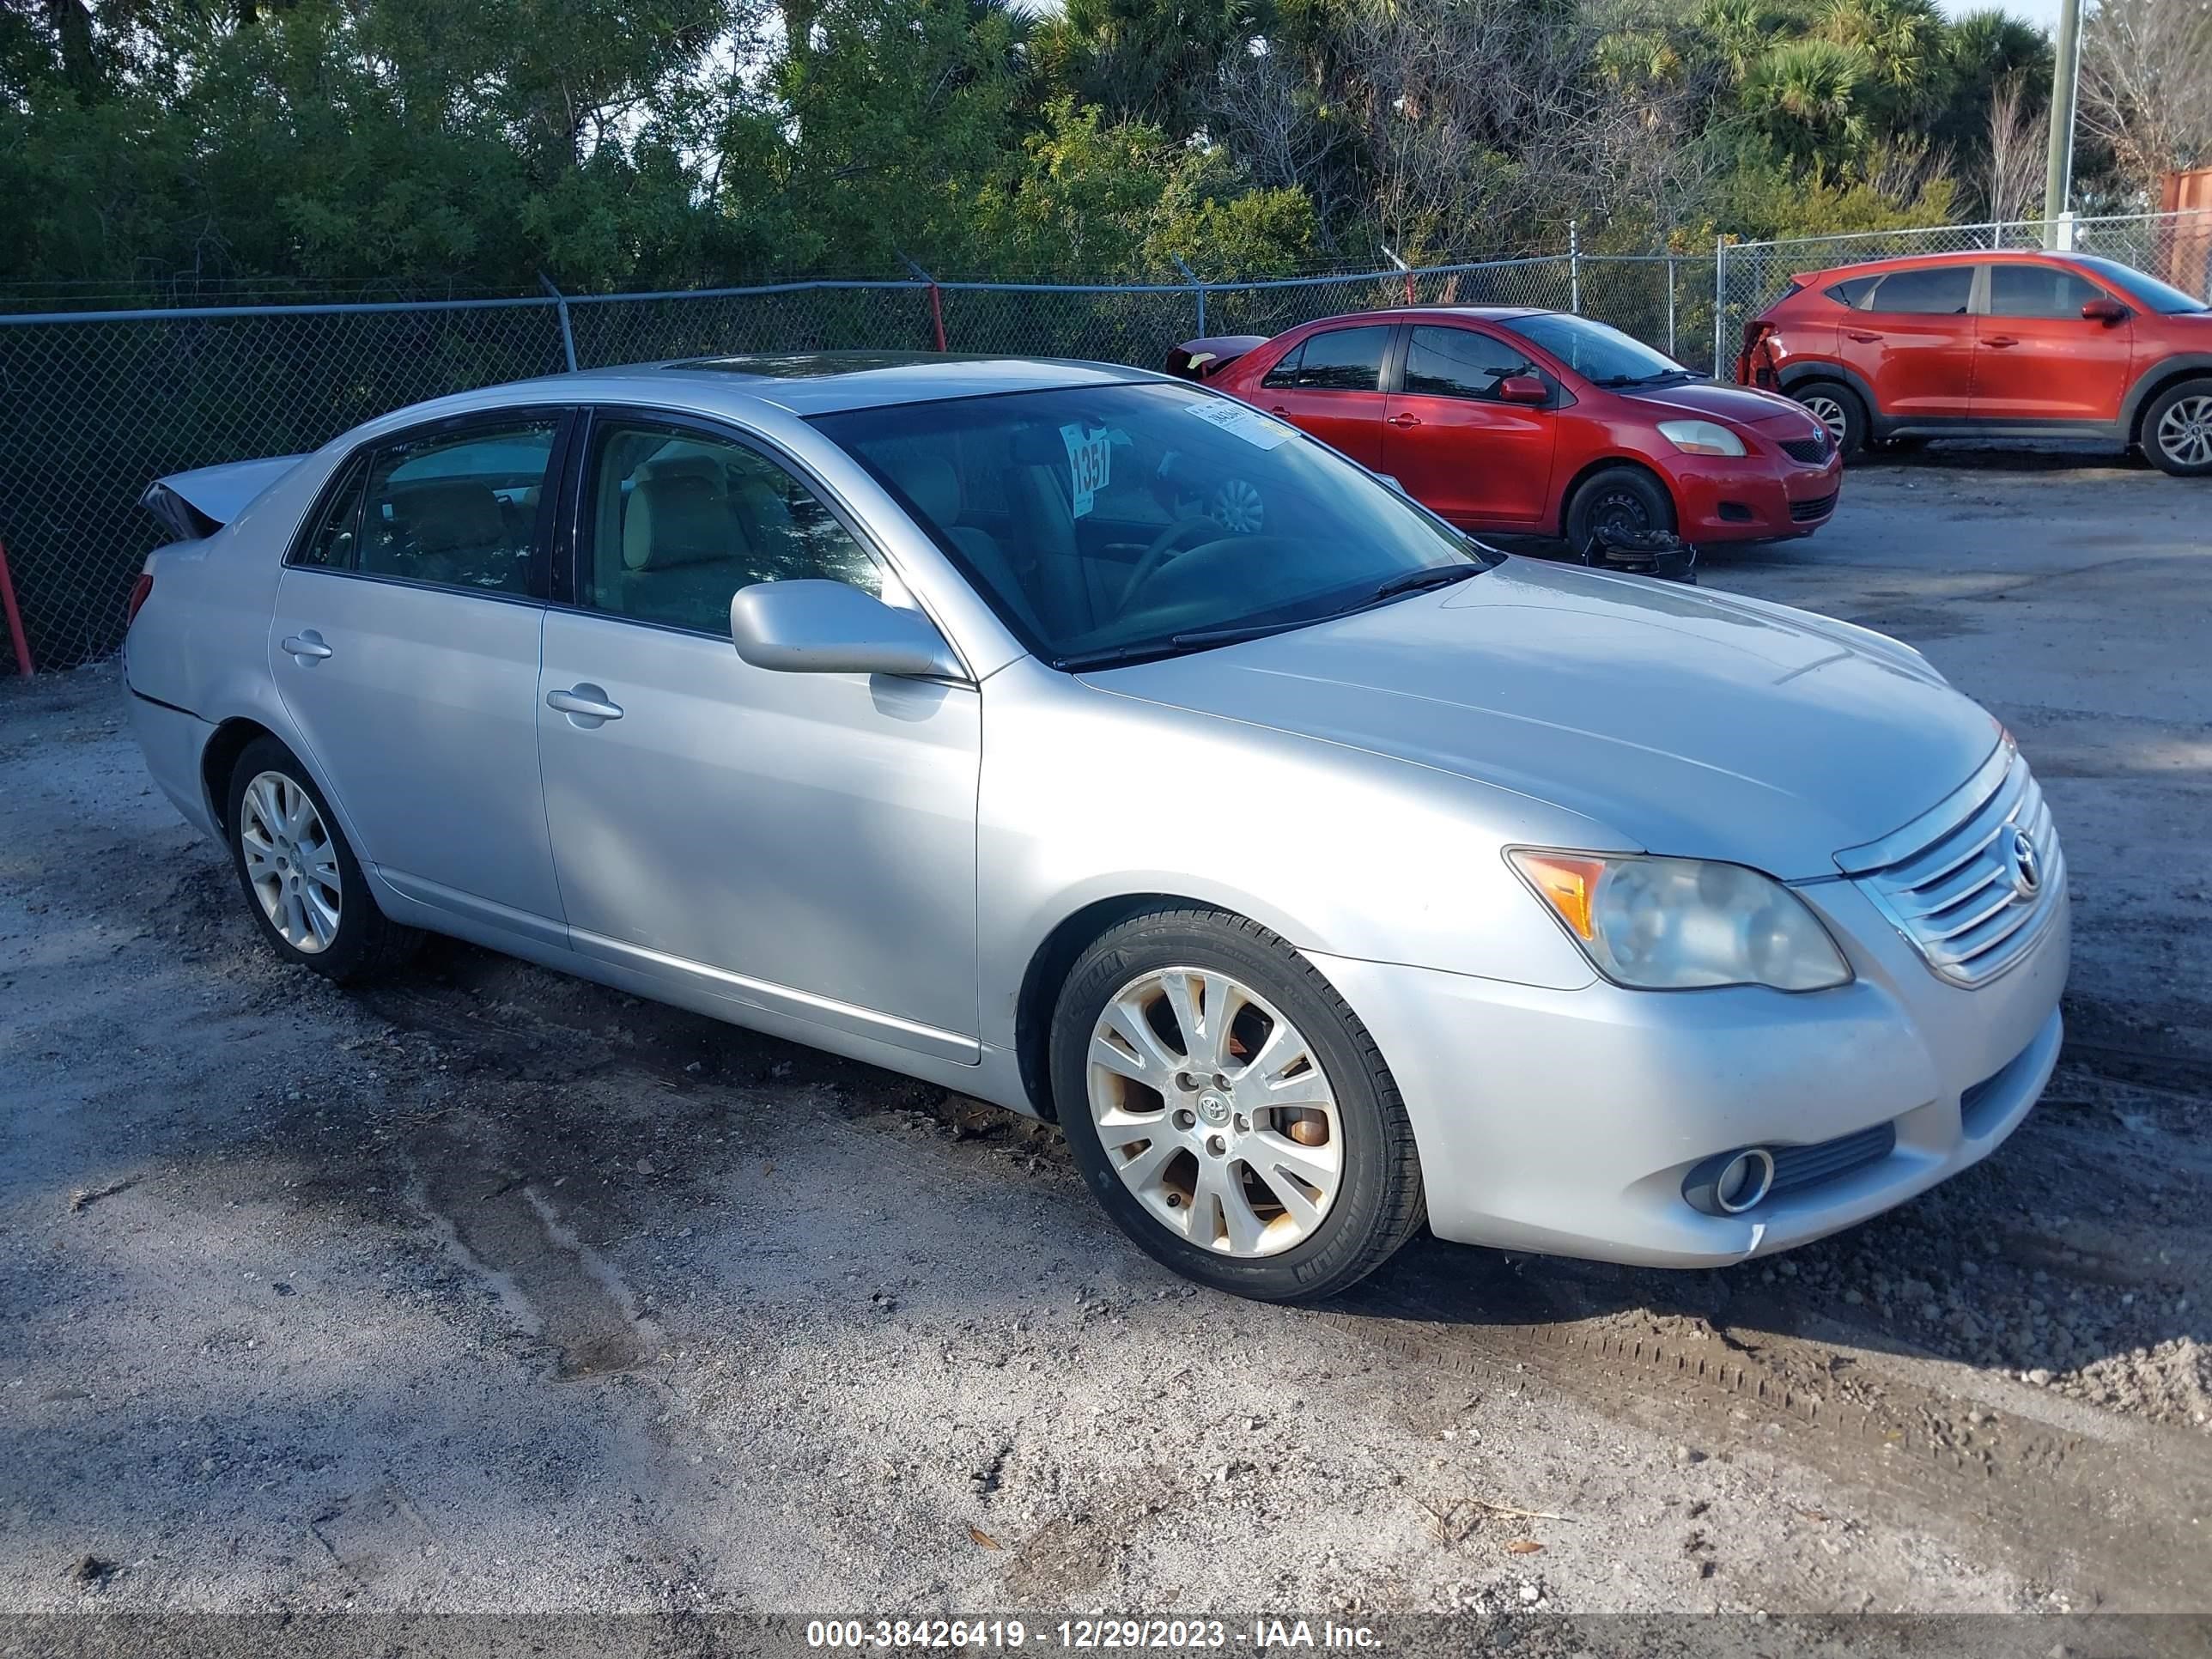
(302, 881)
(1621, 498)
(2177, 430)
(1229, 1111)
(1837, 408)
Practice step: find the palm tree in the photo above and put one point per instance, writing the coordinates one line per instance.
(1903, 42)
(1805, 96)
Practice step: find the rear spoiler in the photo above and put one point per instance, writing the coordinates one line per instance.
(1202, 360)
(196, 504)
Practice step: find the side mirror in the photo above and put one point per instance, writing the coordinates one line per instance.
(2105, 310)
(832, 628)
(1523, 389)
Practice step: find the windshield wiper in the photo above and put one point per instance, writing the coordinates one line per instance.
(1613, 382)
(1434, 575)
(1204, 639)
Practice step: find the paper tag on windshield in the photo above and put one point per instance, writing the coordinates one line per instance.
(1090, 460)
(1239, 421)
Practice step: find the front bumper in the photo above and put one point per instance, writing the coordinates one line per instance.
(1755, 497)
(1566, 1122)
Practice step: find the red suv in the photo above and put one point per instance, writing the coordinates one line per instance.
(1537, 423)
(1993, 345)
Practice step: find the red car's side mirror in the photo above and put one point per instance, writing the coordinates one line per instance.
(1523, 389)
(2106, 311)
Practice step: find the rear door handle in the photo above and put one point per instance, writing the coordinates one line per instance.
(2001, 341)
(1404, 420)
(306, 648)
(585, 706)
(1861, 336)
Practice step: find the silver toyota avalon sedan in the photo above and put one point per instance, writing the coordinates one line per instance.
(1088, 741)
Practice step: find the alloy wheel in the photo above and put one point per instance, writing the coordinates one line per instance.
(2185, 432)
(1829, 413)
(1215, 1112)
(291, 861)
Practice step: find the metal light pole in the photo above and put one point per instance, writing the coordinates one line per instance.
(2065, 83)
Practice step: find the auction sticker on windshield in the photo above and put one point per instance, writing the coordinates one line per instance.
(1090, 462)
(1250, 425)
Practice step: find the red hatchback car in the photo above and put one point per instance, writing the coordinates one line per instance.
(1996, 344)
(1537, 423)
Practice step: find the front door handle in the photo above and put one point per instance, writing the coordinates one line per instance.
(1279, 408)
(1404, 420)
(585, 706)
(1861, 336)
(2001, 341)
(306, 648)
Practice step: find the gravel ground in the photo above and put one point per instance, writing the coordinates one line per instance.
(490, 1290)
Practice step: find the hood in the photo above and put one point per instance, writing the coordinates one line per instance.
(1687, 722)
(1712, 401)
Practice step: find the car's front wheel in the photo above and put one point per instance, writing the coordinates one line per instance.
(300, 879)
(1626, 499)
(2177, 430)
(1228, 1110)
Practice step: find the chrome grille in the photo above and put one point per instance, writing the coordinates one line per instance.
(1971, 898)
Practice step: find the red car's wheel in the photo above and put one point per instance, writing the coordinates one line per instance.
(1620, 498)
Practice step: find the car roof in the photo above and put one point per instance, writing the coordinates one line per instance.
(1973, 256)
(1415, 314)
(806, 382)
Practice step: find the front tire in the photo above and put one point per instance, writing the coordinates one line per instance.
(1622, 498)
(1229, 1111)
(2177, 430)
(302, 881)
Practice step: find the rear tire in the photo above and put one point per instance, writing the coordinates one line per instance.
(302, 882)
(1618, 497)
(1270, 1155)
(2177, 430)
(1840, 410)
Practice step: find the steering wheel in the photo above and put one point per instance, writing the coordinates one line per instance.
(1166, 545)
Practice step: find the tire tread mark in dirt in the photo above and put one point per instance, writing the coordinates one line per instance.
(2059, 1497)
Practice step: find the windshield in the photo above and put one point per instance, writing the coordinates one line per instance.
(1600, 354)
(2162, 297)
(1110, 523)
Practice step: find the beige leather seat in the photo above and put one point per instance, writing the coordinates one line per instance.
(684, 551)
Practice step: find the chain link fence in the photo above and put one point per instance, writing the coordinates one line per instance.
(95, 405)
(1749, 276)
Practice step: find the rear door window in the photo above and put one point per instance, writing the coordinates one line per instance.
(1852, 291)
(1344, 360)
(329, 545)
(457, 509)
(1285, 374)
(2025, 290)
(1939, 291)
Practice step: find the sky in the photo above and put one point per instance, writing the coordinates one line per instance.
(2044, 12)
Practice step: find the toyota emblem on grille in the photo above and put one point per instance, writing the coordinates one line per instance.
(2024, 864)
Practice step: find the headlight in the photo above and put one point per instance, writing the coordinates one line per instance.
(1676, 924)
(1701, 438)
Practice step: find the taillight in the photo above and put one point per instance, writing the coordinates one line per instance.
(1749, 370)
(140, 590)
